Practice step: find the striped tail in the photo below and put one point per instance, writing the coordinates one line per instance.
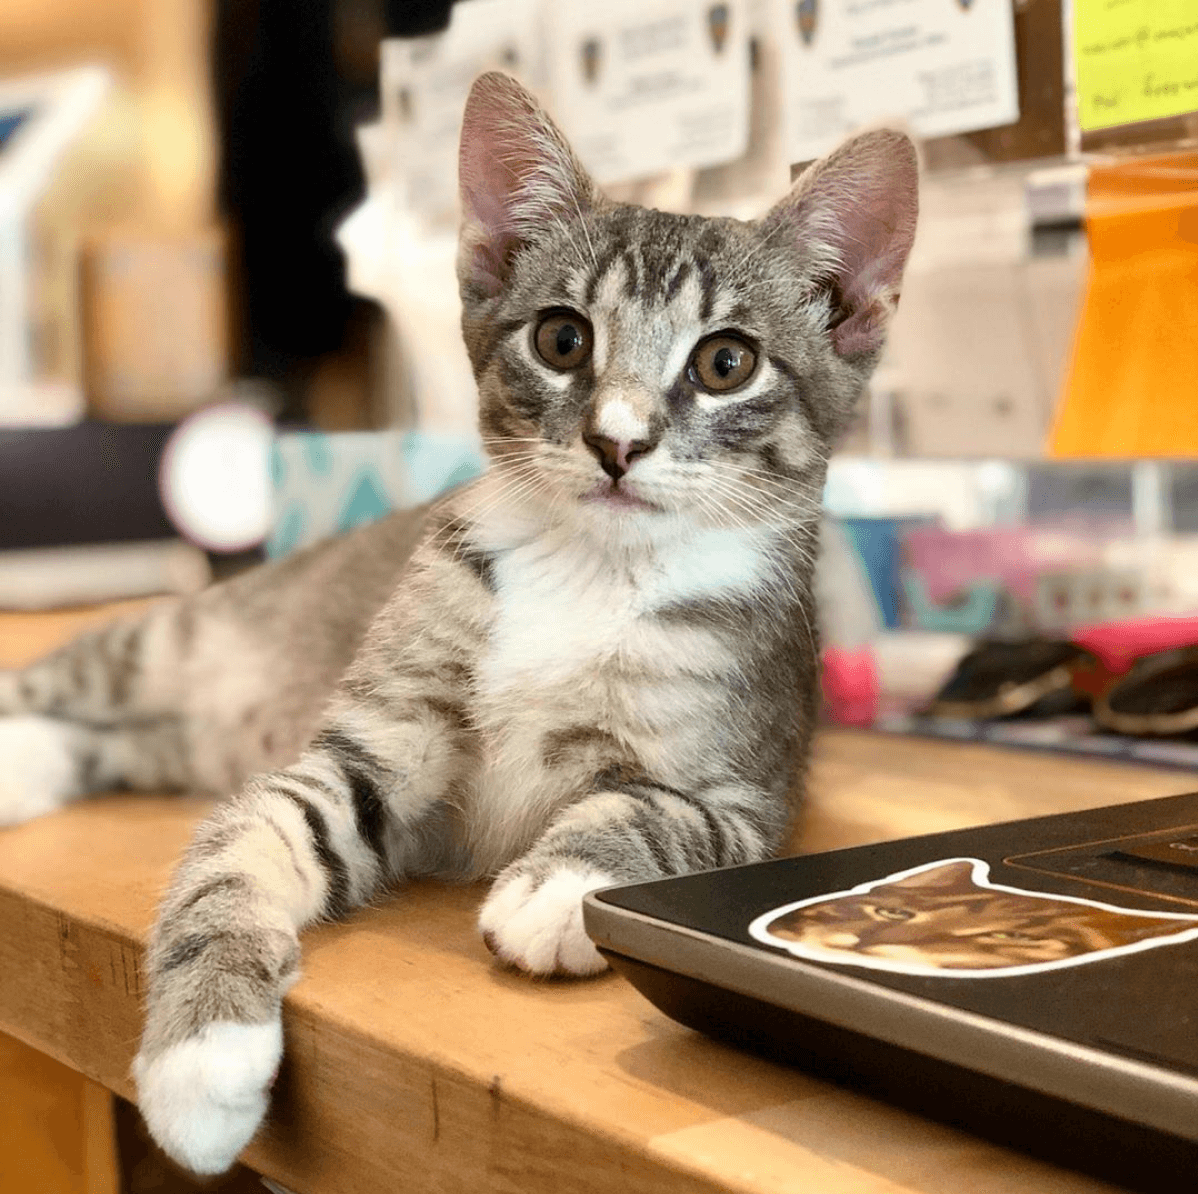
(93, 716)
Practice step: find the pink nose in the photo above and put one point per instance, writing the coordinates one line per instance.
(615, 456)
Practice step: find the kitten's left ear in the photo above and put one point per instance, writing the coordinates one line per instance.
(955, 874)
(517, 175)
(856, 209)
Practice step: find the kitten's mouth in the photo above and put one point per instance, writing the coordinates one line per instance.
(616, 497)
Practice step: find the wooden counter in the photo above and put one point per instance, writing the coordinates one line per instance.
(415, 1064)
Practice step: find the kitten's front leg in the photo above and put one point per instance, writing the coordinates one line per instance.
(623, 832)
(306, 843)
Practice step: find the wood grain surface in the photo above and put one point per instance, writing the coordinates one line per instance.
(415, 1063)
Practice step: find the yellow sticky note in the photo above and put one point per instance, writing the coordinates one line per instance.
(1136, 60)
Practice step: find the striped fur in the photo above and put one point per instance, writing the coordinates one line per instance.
(550, 677)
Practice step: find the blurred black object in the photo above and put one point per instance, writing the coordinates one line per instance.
(1157, 698)
(293, 78)
(1032, 677)
(414, 18)
(90, 483)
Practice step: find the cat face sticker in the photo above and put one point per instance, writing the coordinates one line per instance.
(947, 919)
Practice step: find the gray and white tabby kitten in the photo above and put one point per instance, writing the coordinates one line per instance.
(597, 663)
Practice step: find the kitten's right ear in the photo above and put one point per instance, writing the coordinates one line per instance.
(856, 211)
(517, 174)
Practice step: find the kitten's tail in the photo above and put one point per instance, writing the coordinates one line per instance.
(103, 712)
(113, 674)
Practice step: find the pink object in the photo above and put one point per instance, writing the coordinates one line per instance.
(951, 562)
(1119, 644)
(851, 685)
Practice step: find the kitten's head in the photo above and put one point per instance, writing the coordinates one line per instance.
(948, 918)
(634, 361)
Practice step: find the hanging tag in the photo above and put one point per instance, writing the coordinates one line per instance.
(747, 187)
(646, 86)
(424, 82)
(937, 67)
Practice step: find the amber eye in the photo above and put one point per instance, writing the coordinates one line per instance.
(893, 913)
(722, 363)
(563, 340)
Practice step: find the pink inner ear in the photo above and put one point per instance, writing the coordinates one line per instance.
(488, 183)
(492, 250)
(515, 173)
(859, 206)
(879, 230)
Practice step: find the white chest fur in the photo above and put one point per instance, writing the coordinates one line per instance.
(567, 608)
(565, 602)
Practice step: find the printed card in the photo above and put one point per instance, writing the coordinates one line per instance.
(645, 86)
(937, 67)
(424, 82)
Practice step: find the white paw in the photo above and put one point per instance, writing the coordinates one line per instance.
(541, 930)
(38, 771)
(204, 1098)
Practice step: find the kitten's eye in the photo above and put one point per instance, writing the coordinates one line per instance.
(563, 340)
(722, 363)
(892, 913)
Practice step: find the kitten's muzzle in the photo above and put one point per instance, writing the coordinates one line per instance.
(615, 456)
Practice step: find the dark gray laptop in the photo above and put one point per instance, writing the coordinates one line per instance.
(1035, 981)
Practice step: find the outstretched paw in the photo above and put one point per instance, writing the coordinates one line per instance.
(204, 1098)
(38, 769)
(537, 926)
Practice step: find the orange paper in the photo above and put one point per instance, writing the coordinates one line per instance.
(1132, 389)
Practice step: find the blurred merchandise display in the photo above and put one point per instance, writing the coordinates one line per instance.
(91, 574)
(213, 478)
(47, 187)
(1007, 679)
(697, 107)
(995, 547)
(156, 322)
(1058, 600)
(980, 346)
(1131, 388)
(1049, 305)
(1061, 696)
(84, 520)
(324, 485)
(107, 205)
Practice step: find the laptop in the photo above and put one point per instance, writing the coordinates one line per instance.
(1035, 981)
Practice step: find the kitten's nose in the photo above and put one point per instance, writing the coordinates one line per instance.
(615, 456)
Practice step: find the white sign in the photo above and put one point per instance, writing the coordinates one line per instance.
(645, 86)
(937, 67)
(424, 81)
